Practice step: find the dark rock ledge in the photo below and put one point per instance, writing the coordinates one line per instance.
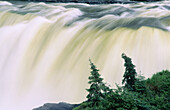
(58, 106)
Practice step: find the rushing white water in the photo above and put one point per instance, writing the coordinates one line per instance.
(44, 48)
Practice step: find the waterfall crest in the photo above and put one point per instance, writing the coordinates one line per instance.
(45, 48)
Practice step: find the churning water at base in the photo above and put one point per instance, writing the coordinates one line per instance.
(44, 48)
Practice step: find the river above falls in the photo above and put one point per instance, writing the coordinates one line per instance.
(45, 47)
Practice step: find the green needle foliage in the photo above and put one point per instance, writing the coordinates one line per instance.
(95, 82)
(159, 86)
(97, 89)
(129, 76)
(137, 94)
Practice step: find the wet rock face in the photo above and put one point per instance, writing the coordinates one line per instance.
(59, 106)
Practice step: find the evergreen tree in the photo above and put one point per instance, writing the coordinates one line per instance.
(129, 76)
(138, 93)
(98, 90)
(95, 82)
(97, 93)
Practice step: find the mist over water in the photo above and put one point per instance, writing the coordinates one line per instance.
(45, 48)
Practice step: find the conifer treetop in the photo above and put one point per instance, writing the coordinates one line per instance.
(130, 74)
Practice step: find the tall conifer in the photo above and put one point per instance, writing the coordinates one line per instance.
(129, 76)
(95, 82)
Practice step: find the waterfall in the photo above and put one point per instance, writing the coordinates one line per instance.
(45, 48)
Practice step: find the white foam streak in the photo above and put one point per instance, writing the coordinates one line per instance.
(44, 49)
(5, 3)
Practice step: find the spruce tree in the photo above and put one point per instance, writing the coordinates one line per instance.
(95, 82)
(97, 93)
(98, 90)
(129, 76)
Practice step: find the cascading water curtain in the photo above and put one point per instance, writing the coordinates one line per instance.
(45, 47)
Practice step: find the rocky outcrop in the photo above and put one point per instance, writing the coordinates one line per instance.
(59, 106)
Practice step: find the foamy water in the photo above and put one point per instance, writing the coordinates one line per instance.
(45, 48)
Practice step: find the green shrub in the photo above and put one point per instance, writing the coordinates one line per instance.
(137, 94)
(159, 86)
(160, 82)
